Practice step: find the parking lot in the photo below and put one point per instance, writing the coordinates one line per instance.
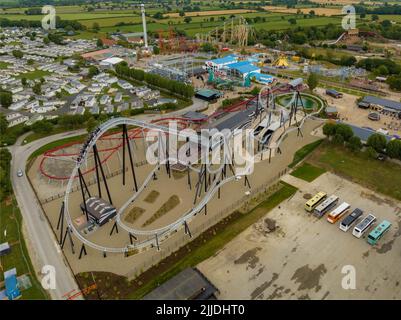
(304, 257)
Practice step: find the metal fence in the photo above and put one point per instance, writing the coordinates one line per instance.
(180, 239)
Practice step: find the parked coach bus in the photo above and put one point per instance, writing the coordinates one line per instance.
(338, 212)
(325, 206)
(364, 225)
(350, 220)
(378, 232)
(312, 203)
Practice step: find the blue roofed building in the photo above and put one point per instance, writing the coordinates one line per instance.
(242, 69)
(364, 133)
(219, 63)
(263, 78)
(11, 283)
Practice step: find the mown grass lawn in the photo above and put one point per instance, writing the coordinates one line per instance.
(234, 227)
(380, 176)
(11, 232)
(303, 152)
(32, 75)
(308, 172)
(55, 144)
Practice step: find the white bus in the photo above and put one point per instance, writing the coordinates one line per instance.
(325, 206)
(338, 212)
(364, 225)
(350, 220)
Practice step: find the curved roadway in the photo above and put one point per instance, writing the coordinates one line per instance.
(39, 235)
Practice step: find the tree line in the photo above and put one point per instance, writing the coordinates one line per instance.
(173, 86)
(342, 134)
(5, 180)
(65, 24)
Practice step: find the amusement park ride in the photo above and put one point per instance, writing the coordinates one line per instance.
(235, 32)
(270, 123)
(220, 81)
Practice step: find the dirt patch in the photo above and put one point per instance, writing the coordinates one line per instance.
(309, 278)
(249, 257)
(259, 290)
(377, 199)
(134, 214)
(170, 204)
(307, 196)
(152, 196)
(108, 285)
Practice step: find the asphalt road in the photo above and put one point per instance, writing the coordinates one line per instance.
(40, 237)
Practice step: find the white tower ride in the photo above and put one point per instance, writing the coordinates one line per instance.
(145, 34)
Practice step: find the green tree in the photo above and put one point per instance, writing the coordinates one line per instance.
(3, 123)
(93, 71)
(187, 19)
(377, 141)
(312, 81)
(329, 129)
(37, 88)
(182, 13)
(42, 127)
(371, 152)
(99, 43)
(393, 149)
(355, 143)
(91, 124)
(338, 139)
(18, 54)
(156, 50)
(95, 26)
(292, 21)
(6, 98)
(344, 130)
(375, 17)
(24, 81)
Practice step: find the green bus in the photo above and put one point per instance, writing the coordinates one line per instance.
(378, 232)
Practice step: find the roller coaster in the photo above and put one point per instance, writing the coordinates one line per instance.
(260, 107)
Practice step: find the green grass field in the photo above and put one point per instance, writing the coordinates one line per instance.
(380, 176)
(37, 74)
(304, 151)
(3, 65)
(55, 144)
(107, 20)
(219, 240)
(11, 231)
(308, 172)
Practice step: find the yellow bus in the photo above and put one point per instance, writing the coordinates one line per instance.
(314, 201)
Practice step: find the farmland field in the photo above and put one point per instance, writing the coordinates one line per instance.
(209, 13)
(318, 11)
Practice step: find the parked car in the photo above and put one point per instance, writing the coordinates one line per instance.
(20, 173)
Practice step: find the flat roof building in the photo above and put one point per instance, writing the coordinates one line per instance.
(207, 94)
(364, 133)
(189, 284)
(385, 104)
